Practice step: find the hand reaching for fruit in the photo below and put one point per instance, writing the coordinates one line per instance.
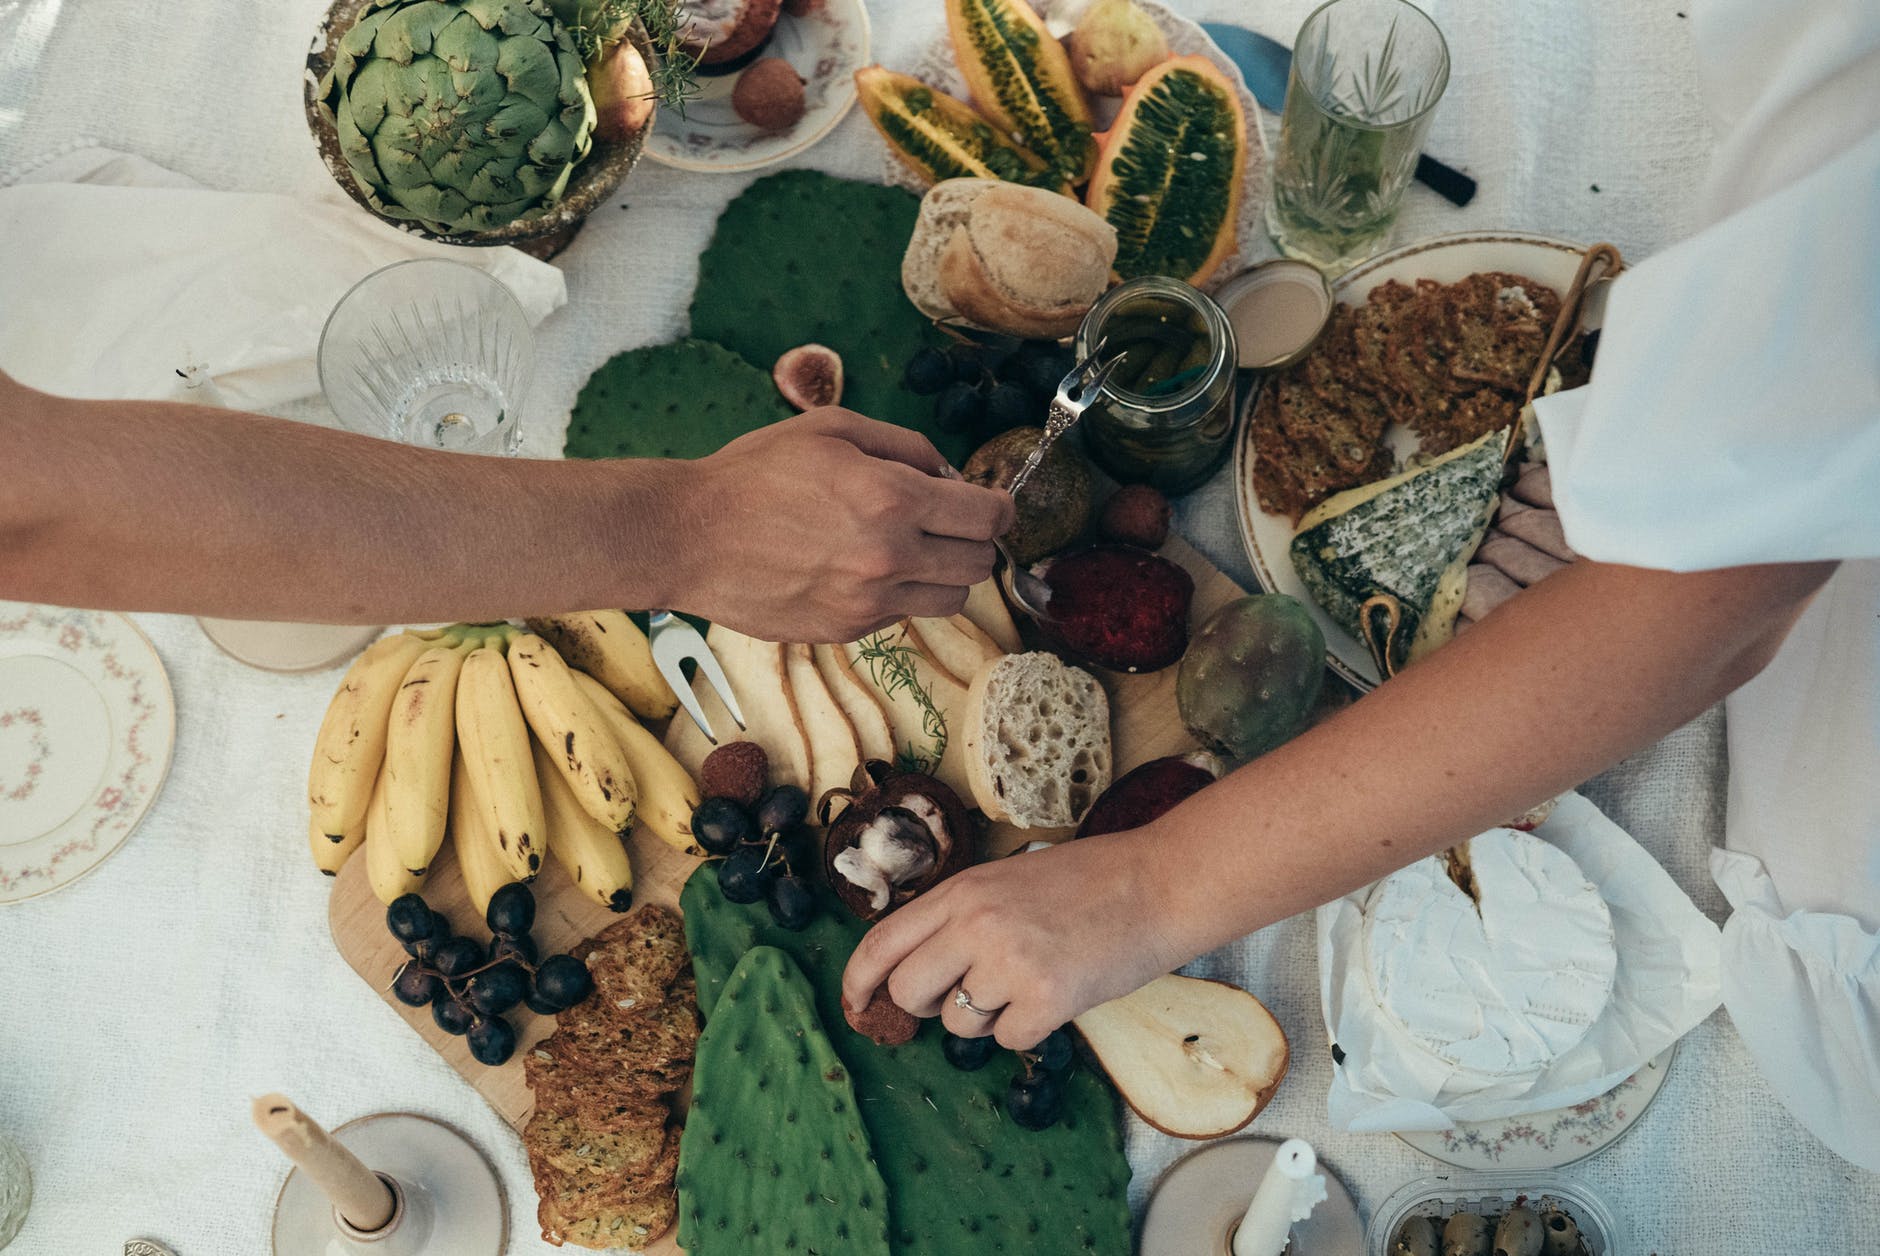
(1040, 937)
(829, 526)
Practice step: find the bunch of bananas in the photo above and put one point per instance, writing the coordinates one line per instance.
(484, 733)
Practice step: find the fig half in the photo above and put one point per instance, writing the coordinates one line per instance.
(900, 834)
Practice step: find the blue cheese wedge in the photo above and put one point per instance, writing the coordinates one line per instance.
(1410, 536)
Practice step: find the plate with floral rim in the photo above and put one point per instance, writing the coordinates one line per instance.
(1548, 1140)
(87, 726)
(825, 47)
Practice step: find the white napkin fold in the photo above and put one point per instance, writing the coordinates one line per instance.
(119, 278)
(1667, 982)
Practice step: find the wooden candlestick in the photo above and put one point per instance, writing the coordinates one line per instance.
(357, 1192)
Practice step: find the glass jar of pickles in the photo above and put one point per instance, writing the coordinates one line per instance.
(1166, 413)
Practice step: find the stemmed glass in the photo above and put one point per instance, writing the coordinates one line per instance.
(429, 352)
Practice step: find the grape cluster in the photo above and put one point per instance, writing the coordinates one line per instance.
(982, 389)
(1035, 1099)
(468, 986)
(758, 851)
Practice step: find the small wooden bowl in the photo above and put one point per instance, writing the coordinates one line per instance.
(593, 181)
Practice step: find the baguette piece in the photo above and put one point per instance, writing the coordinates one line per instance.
(1037, 741)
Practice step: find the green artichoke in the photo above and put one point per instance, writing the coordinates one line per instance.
(460, 115)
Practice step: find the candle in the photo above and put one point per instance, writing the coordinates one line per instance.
(1287, 1194)
(356, 1191)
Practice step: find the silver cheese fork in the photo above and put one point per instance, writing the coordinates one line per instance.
(674, 641)
(1075, 394)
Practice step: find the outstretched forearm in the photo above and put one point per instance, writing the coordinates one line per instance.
(166, 507)
(1560, 683)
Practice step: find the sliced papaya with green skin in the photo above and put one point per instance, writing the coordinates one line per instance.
(1169, 176)
(938, 136)
(1021, 78)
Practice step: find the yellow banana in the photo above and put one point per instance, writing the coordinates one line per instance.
(389, 877)
(419, 741)
(470, 836)
(329, 854)
(593, 855)
(668, 795)
(583, 750)
(495, 743)
(611, 648)
(351, 742)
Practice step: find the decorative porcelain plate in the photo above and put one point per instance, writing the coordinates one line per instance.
(1548, 1140)
(1445, 259)
(938, 69)
(87, 723)
(826, 48)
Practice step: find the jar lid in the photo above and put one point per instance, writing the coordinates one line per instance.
(1278, 309)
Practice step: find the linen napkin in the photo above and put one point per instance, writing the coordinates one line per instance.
(1667, 982)
(120, 279)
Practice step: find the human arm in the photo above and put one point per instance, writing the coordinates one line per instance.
(815, 529)
(1558, 684)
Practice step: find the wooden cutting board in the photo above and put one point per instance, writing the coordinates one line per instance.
(1144, 725)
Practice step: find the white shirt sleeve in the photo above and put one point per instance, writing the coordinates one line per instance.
(1734, 413)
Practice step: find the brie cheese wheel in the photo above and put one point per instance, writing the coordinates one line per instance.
(1498, 986)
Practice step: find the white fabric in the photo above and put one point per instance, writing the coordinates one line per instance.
(1734, 418)
(1666, 984)
(129, 280)
(141, 1008)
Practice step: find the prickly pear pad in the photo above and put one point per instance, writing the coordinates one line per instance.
(962, 1178)
(774, 1156)
(803, 258)
(678, 400)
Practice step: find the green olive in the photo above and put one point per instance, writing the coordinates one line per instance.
(1560, 1235)
(1466, 1234)
(1519, 1234)
(1415, 1237)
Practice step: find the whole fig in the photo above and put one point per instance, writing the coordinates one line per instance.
(1251, 676)
(1055, 507)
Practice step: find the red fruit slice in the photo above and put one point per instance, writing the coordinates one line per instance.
(1150, 792)
(1118, 607)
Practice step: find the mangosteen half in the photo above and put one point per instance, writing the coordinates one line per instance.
(896, 836)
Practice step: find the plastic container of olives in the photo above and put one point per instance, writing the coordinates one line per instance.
(1441, 1195)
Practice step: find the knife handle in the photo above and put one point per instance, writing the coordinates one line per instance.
(1449, 183)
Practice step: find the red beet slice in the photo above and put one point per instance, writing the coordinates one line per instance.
(1119, 607)
(1150, 792)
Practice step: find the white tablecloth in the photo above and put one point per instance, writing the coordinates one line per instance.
(141, 1008)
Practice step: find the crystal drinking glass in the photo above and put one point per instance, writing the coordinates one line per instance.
(430, 352)
(1366, 76)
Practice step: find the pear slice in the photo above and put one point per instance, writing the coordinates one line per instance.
(1194, 1058)
(835, 751)
(761, 684)
(858, 701)
(985, 606)
(906, 717)
(957, 645)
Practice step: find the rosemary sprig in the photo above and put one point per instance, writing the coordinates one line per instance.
(894, 668)
(595, 24)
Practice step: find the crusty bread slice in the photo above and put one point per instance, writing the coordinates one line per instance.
(1037, 741)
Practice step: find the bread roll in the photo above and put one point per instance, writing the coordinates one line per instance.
(1008, 258)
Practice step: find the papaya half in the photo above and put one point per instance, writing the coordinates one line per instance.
(938, 136)
(1168, 178)
(1021, 78)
